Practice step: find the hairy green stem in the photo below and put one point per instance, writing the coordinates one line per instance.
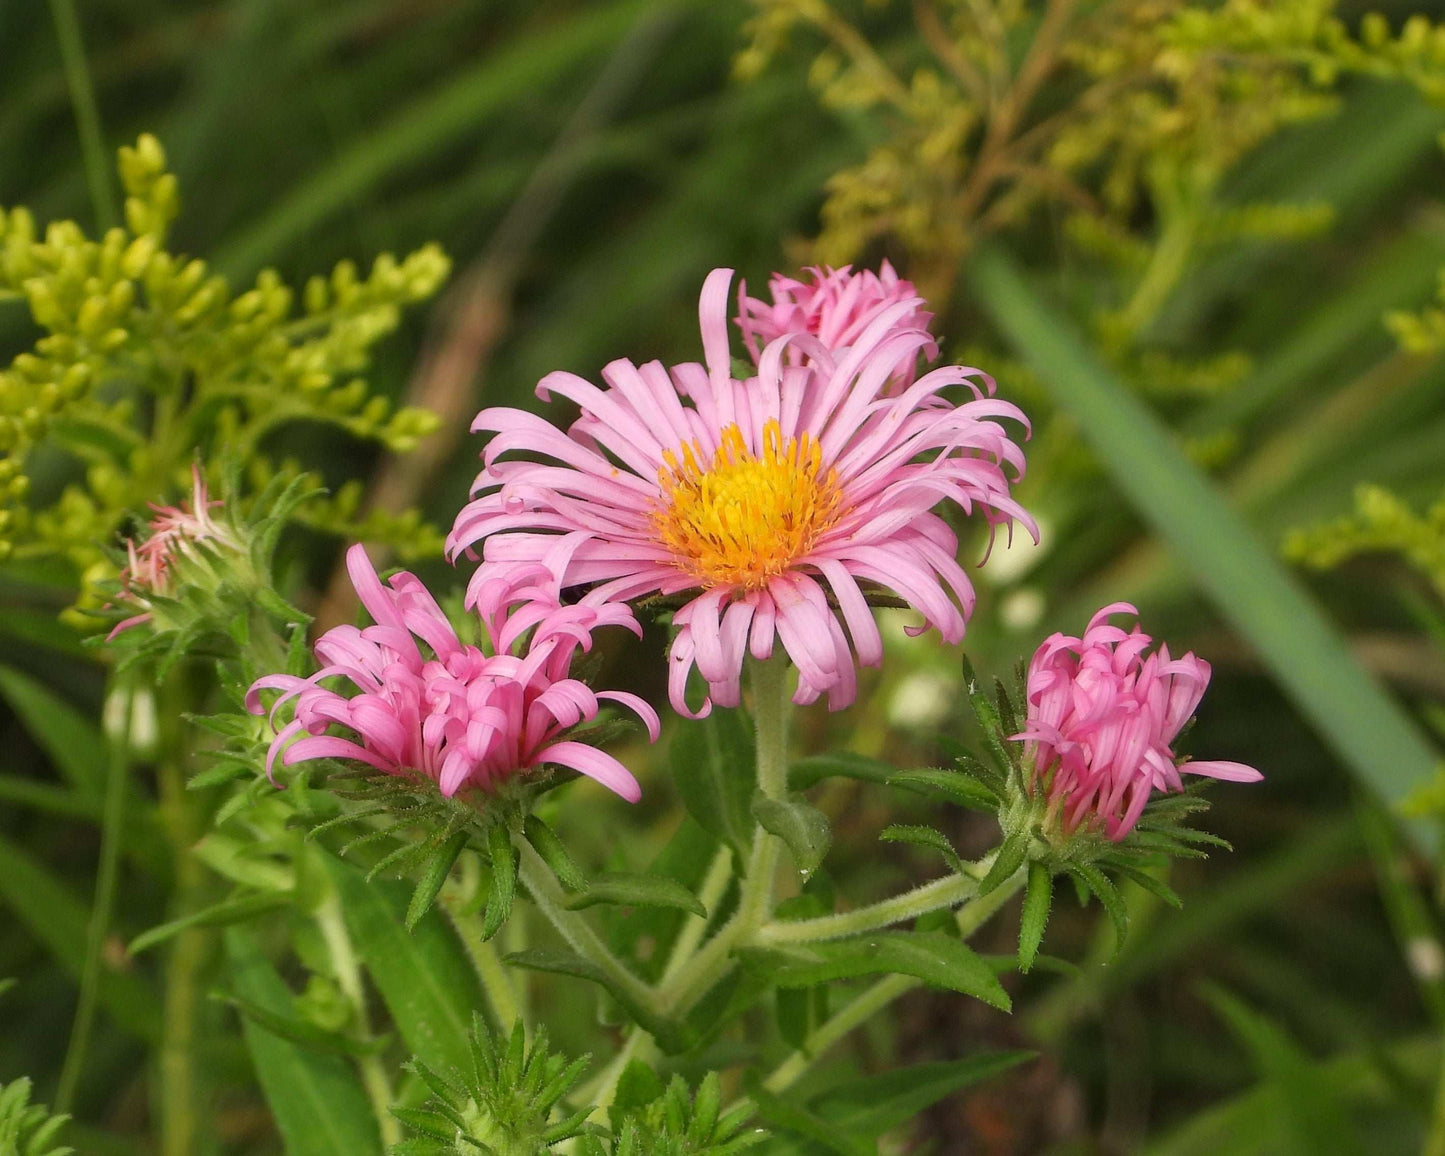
(111, 838)
(488, 966)
(947, 892)
(180, 1124)
(87, 112)
(332, 924)
(714, 886)
(971, 916)
(550, 899)
(690, 980)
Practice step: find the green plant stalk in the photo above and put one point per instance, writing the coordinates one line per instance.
(87, 112)
(970, 918)
(180, 1124)
(550, 899)
(111, 837)
(488, 965)
(947, 892)
(714, 886)
(691, 979)
(332, 924)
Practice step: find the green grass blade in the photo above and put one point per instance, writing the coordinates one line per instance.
(427, 125)
(1372, 734)
(424, 975)
(67, 736)
(320, 1106)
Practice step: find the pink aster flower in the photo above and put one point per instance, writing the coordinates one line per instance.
(1101, 717)
(176, 532)
(836, 306)
(426, 704)
(777, 503)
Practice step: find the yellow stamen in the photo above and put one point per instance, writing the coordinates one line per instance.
(741, 520)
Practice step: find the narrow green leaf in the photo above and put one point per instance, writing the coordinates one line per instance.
(1096, 882)
(73, 743)
(714, 766)
(1246, 581)
(221, 914)
(49, 797)
(503, 888)
(58, 920)
(1009, 859)
(931, 956)
(545, 842)
(564, 962)
(800, 825)
(439, 866)
(807, 772)
(301, 1032)
(920, 835)
(1037, 899)
(792, 1117)
(954, 786)
(630, 890)
(317, 1100)
(638, 1087)
(878, 1104)
(425, 976)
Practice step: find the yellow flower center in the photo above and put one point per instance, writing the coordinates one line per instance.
(743, 519)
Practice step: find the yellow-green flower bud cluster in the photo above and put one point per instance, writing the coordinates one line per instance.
(127, 320)
(1382, 522)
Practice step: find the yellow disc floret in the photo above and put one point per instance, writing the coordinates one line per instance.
(743, 518)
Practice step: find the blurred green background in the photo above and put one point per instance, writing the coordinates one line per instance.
(585, 165)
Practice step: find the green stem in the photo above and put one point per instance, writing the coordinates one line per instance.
(689, 981)
(970, 918)
(488, 965)
(332, 924)
(87, 112)
(714, 886)
(947, 892)
(550, 899)
(111, 837)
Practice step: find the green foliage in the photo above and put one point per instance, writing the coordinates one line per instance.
(677, 1122)
(27, 1129)
(1382, 522)
(501, 1106)
(148, 357)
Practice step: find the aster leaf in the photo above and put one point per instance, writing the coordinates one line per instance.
(1010, 857)
(1097, 882)
(932, 956)
(790, 1116)
(638, 1087)
(627, 889)
(545, 842)
(800, 825)
(430, 1124)
(670, 1036)
(237, 909)
(807, 772)
(1149, 883)
(714, 766)
(300, 1031)
(1037, 900)
(989, 722)
(503, 888)
(874, 1105)
(954, 786)
(439, 866)
(921, 835)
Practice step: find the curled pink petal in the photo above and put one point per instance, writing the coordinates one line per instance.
(428, 705)
(1103, 713)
